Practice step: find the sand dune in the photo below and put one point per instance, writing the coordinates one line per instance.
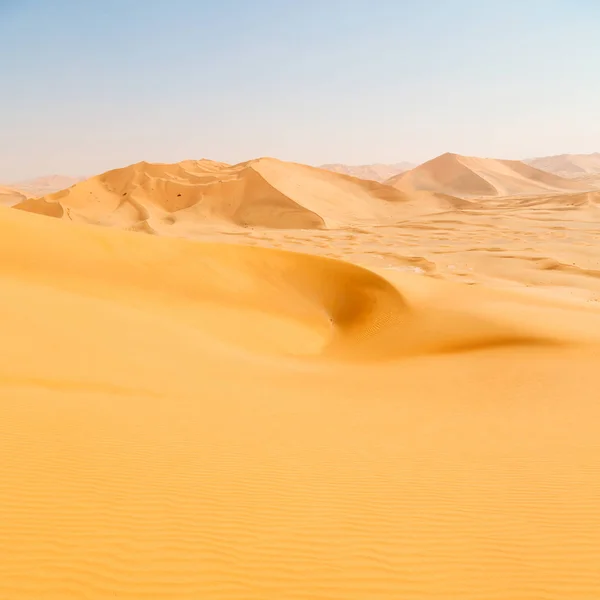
(41, 186)
(375, 172)
(186, 420)
(10, 196)
(466, 176)
(568, 165)
(176, 198)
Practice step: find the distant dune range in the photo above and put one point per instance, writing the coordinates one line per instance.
(569, 165)
(572, 166)
(263, 193)
(40, 186)
(375, 172)
(466, 176)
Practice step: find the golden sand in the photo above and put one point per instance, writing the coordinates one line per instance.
(178, 198)
(208, 420)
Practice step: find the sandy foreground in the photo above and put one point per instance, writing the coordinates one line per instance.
(198, 420)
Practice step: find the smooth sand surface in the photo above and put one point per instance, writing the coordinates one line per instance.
(469, 176)
(198, 420)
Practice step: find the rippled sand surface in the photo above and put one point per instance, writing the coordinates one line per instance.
(185, 419)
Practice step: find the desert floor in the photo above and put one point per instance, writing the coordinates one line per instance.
(546, 245)
(185, 420)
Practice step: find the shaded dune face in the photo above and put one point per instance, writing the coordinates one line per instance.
(42, 207)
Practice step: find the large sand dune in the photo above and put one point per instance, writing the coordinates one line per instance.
(186, 420)
(467, 176)
(176, 198)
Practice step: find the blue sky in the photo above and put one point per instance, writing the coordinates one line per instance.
(88, 85)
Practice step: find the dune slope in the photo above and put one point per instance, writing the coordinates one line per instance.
(184, 420)
(466, 176)
(175, 198)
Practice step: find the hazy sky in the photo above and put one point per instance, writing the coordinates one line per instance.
(88, 85)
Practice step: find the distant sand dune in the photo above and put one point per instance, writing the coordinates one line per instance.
(10, 196)
(466, 176)
(259, 193)
(374, 172)
(41, 186)
(568, 165)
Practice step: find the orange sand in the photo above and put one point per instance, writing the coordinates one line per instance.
(184, 420)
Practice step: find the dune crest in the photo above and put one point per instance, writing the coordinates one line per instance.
(466, 176)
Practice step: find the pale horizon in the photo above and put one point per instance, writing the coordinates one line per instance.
(91, 88)
(81, 176)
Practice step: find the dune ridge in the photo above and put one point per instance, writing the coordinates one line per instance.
(466, 176)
